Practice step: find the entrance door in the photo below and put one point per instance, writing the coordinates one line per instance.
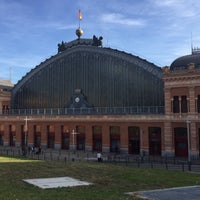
(1, 139)
(37, 136)
(80, 136)
(115, 139)
(155, 141)
(12, 136)
(81, 141)
(50, 140)
(24, 139)
(134, 140)
(181, 146)
(199, 140)
(97, 138)
(37, 139)
(65, 141)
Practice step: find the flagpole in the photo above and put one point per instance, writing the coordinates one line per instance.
(79, 17)
(79, 32)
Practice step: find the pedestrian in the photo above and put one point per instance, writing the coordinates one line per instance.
(99, 159)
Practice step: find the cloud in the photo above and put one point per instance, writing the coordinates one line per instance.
(179, 8)
(115, 18)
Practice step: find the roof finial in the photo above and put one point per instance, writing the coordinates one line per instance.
(79, 31)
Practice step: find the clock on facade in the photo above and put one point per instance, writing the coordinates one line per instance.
(77, 99)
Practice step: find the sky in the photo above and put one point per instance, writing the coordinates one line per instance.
(156, 30)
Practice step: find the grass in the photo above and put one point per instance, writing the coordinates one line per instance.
(111, 182)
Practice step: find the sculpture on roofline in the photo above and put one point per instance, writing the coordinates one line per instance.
(61, 47)
(97, 41)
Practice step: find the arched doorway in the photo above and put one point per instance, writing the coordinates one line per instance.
(1, 138)
(199, 140)
(180, 140)
(97, 138)
(37, 136)
(12, 136)
(155, 141)
(134, 140)
(80, 136)
(50, 137)
(65, 137)
(115, 139)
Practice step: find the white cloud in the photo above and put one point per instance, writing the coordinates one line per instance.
(115, 18)
(159, 30)
(179, 8)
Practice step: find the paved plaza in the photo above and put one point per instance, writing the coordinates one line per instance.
(180, 193)
(46, 183)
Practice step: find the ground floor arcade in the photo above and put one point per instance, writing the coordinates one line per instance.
(133, 137)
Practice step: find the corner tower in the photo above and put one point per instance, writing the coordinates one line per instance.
(182, 105)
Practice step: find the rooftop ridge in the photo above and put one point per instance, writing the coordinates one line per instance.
(90, 42)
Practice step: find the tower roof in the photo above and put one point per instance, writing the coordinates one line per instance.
(182, 62)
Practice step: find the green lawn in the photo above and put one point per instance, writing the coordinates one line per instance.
(110, 181)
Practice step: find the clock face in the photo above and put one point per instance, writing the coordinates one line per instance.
(77, 99)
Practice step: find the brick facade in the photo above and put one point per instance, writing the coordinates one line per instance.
(160, 135)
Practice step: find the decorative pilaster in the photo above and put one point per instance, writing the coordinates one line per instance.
(192, 100)
(124, 139)
(6, 134)
(19, 130)
(168, 109)
(105, 139)
(88, 138)
(168, 140)
(44, 135)
(144, 140)
(57, 136)
(193, 139)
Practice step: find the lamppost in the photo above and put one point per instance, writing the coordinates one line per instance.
(188, 142)
(25, 135)
(142, 152)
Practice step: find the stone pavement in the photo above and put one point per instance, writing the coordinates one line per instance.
(180, 193)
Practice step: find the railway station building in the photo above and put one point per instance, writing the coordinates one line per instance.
(93, 98)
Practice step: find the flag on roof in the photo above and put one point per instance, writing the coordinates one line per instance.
(80, 15)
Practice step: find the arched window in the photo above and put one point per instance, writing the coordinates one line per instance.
(198, 104)
(176, 105)
(184, 108)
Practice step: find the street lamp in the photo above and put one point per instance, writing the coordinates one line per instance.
(188, 140)
(25, 135)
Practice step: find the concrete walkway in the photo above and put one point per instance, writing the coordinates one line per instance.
(180, 193)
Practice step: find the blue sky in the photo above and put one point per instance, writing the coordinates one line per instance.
(156, 30)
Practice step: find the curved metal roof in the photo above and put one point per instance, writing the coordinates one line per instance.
(85, 45)
(106, 76)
